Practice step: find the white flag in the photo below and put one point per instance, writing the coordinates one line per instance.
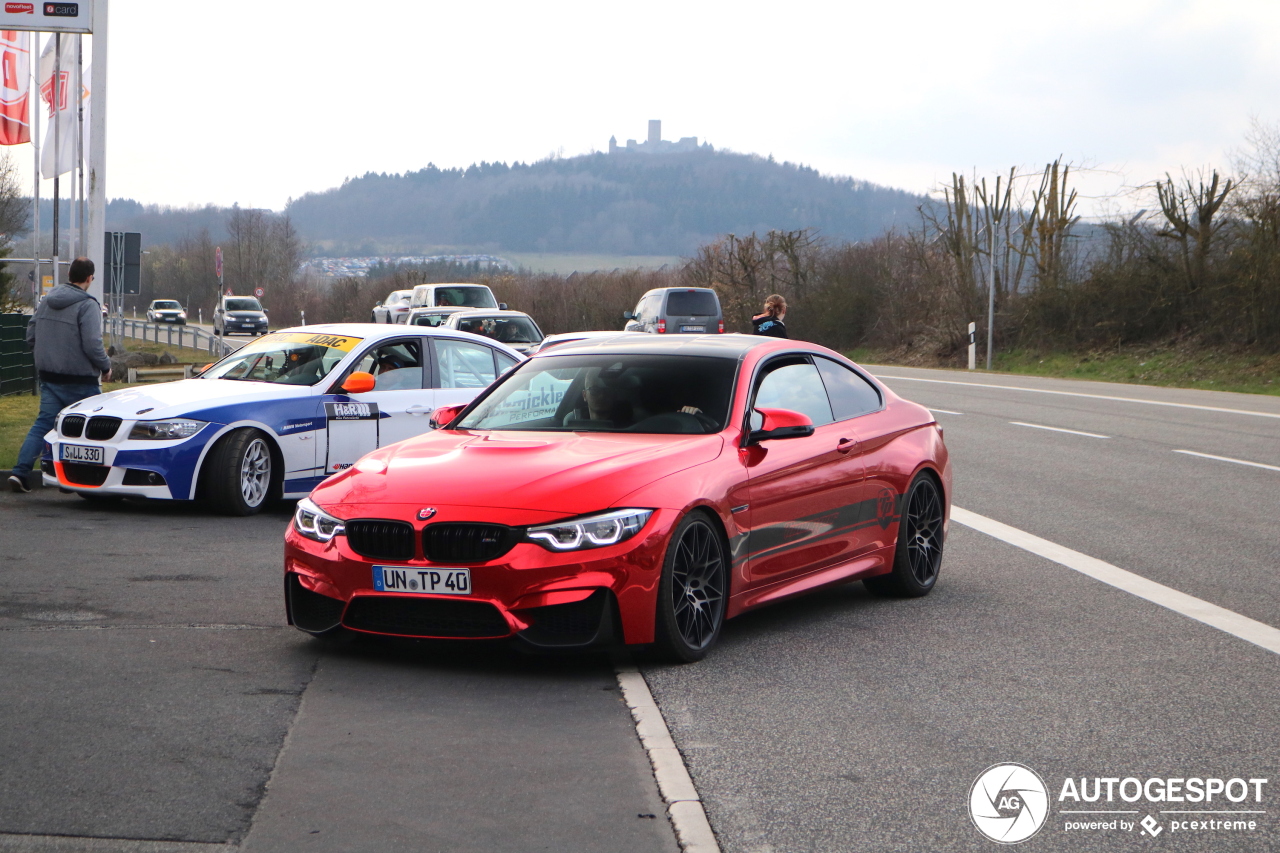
(62, 103)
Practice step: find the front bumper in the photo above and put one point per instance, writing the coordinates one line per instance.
(161, 470)
(545, 599)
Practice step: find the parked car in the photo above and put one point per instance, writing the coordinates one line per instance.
(569, 337)
(430, 316)
(454, 295)
(394, 309)
(271, 419)
(633, 488)
(677, 310)
(239, 314)
(166, 311)
(516, 329)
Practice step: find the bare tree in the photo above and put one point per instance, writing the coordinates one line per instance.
(1189, 210)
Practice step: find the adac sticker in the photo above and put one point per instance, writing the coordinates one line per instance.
(342, 343)
(351, 411)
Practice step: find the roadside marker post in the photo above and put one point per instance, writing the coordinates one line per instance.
(973, 346)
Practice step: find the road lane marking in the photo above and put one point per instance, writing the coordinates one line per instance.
(1250, 630)
(946, 411)
(1059, 429)
(684, 806)
(1090, 396)
(1229, 459)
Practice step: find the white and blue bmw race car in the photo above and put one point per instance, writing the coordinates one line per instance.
(270, 420)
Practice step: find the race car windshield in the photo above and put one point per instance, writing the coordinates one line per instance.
(287, 358)
(509, 330)
(659, 394)
(246, 304)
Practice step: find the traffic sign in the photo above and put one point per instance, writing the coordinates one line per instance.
(229, 293)
(258, 292)
(217, 261)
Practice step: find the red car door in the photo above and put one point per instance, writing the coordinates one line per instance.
(803, 491)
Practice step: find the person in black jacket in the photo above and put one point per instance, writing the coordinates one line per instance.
(66, 333)
(770, 322)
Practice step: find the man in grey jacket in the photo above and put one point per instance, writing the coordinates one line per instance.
(66, 333)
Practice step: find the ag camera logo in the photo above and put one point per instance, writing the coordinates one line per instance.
(1008, 803)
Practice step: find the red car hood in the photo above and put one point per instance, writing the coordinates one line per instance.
(563, 473)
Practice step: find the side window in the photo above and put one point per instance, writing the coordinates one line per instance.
(505, 362)
(396, 366)
(850, 394)
(464, 364)
(795, 385)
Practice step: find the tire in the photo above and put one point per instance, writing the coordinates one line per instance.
(918, 555)
(693, 591)
(240, 473)
(373, 318)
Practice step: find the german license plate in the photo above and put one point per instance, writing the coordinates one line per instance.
(429, 581)
(80, 453)
(693, 328)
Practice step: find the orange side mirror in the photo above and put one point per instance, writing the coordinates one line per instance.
(203, 369)
(359, 382)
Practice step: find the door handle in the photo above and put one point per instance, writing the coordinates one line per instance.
(419, 410)
(845, 445)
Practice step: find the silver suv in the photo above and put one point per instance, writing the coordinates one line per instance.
(677, 310)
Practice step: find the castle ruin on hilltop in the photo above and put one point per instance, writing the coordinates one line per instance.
(655, 144)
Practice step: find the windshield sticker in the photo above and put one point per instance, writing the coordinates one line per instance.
(338, 342)
(351, 411)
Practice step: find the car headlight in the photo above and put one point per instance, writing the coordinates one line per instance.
(590, 531)
(165, 430)
(314, 523)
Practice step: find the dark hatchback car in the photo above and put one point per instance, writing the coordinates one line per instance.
(242, 314)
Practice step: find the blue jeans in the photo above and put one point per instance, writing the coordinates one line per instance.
(54, 397)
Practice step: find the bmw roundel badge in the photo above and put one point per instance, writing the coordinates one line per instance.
(426, 512)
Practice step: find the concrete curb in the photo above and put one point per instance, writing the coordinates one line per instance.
(684, 806)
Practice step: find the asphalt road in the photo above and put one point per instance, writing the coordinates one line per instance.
(149, 690)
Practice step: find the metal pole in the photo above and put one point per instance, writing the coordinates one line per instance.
(97, 189)
(35, 145)
(80, 235)
(991, 292)
(57, 126)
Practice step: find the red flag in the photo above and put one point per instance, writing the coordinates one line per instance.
(15, 86)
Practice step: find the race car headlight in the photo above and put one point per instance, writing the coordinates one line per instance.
(165, 430)
(590, 531)
(314, 523)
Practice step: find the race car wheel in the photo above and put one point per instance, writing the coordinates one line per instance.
(240, 473)
(693, 591)
(918, 557)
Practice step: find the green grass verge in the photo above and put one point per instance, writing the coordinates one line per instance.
(17, 414)
(1172, 367)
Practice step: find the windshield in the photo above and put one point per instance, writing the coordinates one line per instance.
(287, 358)
(165, 303)
(509, 330)
(611, 393)
(244, 303)
(470, 297)
(692, 303)
(430, 319)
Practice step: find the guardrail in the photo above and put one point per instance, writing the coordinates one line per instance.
(169, 334)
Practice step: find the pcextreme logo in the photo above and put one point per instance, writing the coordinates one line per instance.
(1009, 803)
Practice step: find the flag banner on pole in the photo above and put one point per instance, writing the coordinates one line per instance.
(15, 87)
(62, 107)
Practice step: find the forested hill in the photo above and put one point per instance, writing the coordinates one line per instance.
(624, 203)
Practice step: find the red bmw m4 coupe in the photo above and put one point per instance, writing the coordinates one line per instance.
(636, 489)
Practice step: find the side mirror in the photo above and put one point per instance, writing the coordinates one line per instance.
(359, 382)
(378, 304)
(627, 315)
(445, 415)
(502, 306)
(780, 423)
(203, 369)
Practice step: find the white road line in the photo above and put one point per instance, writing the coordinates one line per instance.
(684, 806)
(1059, 429)
(1229, 459)
(1090, 396)
(1250, 630)
(946, 411)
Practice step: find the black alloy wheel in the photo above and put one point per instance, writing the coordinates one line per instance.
(918, 557)
(694, 590)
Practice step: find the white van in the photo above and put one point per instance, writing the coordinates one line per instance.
(455, 295)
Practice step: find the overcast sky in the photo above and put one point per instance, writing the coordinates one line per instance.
(257, 101)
